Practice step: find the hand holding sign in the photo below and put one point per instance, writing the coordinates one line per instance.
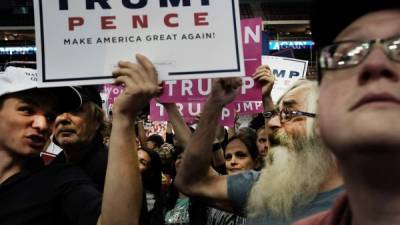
(140, 85)
(264, 76)
(286, 72)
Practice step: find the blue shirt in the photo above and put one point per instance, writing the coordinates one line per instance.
(239, 186)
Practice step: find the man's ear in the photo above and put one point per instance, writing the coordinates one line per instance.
(317, 127)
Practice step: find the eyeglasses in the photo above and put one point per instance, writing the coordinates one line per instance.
(345, 54)
(286, 115)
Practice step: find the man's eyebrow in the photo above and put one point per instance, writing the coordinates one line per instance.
(290, 102)
(30, 101)
(35, 103)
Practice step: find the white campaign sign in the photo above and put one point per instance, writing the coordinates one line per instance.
(80, 42)
(286, 71)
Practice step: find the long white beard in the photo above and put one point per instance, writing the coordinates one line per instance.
(291, 178)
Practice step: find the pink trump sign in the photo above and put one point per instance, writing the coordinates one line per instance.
(112, 92)
(190, 110)
(198, 89)
(252, 44)
(250, 107)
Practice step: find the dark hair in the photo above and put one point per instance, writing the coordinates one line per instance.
(98, 114)
(106, 129)
(152, 176)
(257, 122)
(248, 136)
(333, 16)
(157, 139)
(2, 100)
(329, 18)
(151, 179)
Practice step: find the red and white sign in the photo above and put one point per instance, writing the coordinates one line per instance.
(80, 42)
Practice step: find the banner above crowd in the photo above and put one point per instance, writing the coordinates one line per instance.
(80, 42)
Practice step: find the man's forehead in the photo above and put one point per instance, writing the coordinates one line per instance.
(296, 96)
(39, 98)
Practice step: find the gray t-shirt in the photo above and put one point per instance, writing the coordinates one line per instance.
(239, 187)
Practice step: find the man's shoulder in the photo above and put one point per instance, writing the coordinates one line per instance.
(239, 186)
(321, 218)
(324, 200)
(242, 182)
(248, 176)
(340, 213)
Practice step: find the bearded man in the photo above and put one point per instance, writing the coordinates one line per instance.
(300, 177)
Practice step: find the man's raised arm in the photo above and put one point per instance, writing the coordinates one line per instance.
(122, 197)
(193, 178)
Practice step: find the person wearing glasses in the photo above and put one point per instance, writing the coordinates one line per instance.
(359, 108)
(299, 179)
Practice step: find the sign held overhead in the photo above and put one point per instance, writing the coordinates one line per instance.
(80, 42)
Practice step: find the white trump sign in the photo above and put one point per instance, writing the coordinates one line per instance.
(286, 72)
(80, 42)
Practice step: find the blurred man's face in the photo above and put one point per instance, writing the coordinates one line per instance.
(26, 122)
(295, 99)
(262, 142)
(359, 107)
(76, 128)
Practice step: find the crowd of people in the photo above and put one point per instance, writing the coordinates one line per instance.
(324, 154)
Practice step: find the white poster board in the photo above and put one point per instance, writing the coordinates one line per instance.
(286, 71)
(80, 42)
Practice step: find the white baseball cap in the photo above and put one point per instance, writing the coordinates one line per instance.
(16, 79)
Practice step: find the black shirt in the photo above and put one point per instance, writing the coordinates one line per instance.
(57, 194)
(93, 163)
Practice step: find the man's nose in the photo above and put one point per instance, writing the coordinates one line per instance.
(377, 65)
(41, 123)
(63, 118)
(274, 123)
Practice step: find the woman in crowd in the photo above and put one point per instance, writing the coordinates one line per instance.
(241, 154)
(150, 168)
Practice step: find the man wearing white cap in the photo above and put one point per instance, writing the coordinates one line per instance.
(60, 194)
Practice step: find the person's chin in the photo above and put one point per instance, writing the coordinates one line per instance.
(234, 171)
(33, 148)
(66, 141)
(33, 151)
